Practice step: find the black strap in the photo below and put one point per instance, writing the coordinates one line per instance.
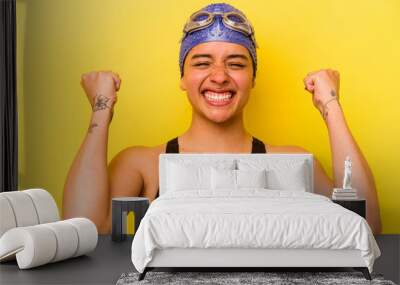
(172, 146)
(257, 146)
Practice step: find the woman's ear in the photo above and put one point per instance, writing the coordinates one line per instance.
(182, 84)
(253, 83)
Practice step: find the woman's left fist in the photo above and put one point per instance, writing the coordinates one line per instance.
(323, 85)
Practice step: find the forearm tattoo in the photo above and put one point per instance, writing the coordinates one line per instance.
(325, 109)
(100, 102)
(92, 126)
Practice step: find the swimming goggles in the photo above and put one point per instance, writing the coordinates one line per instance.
(233, 20)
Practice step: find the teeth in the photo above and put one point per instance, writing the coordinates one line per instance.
(218, 96)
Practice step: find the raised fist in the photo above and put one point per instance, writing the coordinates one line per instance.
(100, 88)
(324, 86)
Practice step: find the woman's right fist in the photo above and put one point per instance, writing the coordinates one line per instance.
(101, 88)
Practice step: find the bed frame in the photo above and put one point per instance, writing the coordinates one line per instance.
(250, 259)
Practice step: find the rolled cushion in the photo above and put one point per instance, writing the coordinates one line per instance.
(66, 237)
(87, 234)
(45, 243)
(26, 208)
(7, 218)
(46, 207)
(23, 208)
(33, 246)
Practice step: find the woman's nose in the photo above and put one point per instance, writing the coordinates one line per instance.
(219, 75)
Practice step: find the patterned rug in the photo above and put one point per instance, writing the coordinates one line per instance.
(269, 278)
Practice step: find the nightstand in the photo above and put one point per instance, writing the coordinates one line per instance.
(357, 206)
(120, 209)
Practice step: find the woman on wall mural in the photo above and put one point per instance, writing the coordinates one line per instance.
(218, 64)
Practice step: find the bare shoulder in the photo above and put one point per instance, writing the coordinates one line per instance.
(137, 156)
(286, 149)
(134, 171)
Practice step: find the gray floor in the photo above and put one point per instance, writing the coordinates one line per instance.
(389, 262)
(110, 260)
(102, 266)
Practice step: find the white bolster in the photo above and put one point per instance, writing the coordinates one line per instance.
(41, 244)
(45, 205)
(23, 208)
(7, 218)
(26, 208)
(66, 237)
(87, 234)
(33, 246)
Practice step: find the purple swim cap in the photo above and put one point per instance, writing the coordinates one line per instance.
(218, 30)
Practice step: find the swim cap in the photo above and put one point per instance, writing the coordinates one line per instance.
(218, 22)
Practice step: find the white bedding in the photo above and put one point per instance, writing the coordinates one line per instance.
(250, 218)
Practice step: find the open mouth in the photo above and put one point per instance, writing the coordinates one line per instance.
(220, 98)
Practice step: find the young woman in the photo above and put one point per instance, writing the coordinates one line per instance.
(218, 64)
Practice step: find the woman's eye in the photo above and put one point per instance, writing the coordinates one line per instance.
(236, 65)
(201, 64)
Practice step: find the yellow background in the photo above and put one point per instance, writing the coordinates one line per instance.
(58, 40)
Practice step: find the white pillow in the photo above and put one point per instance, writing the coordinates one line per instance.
(282, 174)
(236, 179)
(251, 178)
(223, 179)
(186, 175)
(290, 179)
(182, 177)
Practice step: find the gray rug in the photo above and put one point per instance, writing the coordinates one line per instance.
(230, 278)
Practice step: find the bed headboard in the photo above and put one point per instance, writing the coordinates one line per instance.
(164, 158)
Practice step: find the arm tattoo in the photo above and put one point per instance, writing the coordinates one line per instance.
(325, 109)
(92, 126)
(100, 102)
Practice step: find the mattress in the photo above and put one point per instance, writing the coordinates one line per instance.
(251, 219)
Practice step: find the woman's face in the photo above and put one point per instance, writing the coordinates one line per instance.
(218, 77)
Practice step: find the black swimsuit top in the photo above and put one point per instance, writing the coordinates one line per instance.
(173, 147)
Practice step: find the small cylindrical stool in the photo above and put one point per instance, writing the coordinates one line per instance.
(120, 209)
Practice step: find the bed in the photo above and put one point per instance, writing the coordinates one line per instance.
(247, 211)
